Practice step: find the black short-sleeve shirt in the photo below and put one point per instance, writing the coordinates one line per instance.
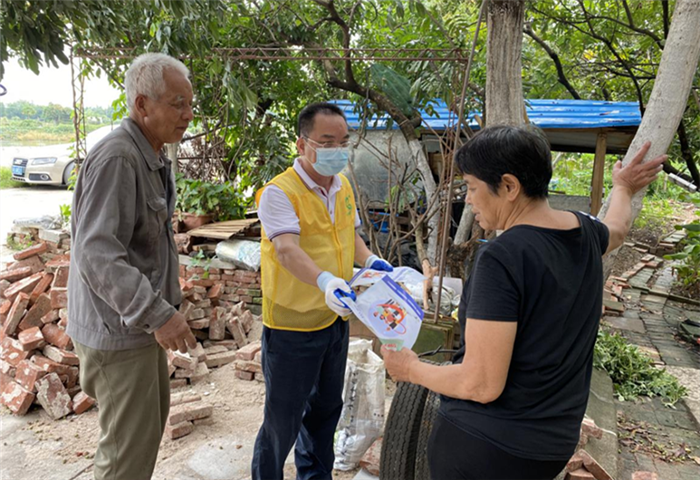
(551, 283)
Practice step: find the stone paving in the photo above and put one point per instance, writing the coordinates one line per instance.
(650, 320)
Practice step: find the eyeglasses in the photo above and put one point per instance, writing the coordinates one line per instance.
(343, 144)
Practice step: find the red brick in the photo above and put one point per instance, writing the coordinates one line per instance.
(246, 298)
(58, 261)
(229, 344)
(49, 365)
(248, 352)
(5, 380)
(642, 475)
(26, 285)
(185, 286)
(594, 467)
(52, 395)
(217, 324)
(14, 316)
(370, 460)
(180, 398)
(17, 398)
(82, 402)
(244, 375)
(179, 430)
(28, 252)
(6, 368)
(61, 356)
(199, 323)
(189, 411)
(59, 297)
(178, 383)
(246, 320)
(219, 359)
(61, 278)
(11, 351)
(56, 336)
(41, 307)
(182, 360)
(203, 283)
(236, 330)
(31, 339)
(33, 262)
(16, 274)
(248, 366)
(215, 291)
(574, 463)
(580, 474)
(4, 285)
(591, 429)
(27, 374)
(41, 287)
(73, 376)
(5, 307)
(50, 317)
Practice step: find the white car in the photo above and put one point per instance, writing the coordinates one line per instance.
(47, 169)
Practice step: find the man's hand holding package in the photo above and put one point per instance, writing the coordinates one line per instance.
(175, 334)
(329, 284)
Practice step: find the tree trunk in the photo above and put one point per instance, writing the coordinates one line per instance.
(171, 153)
(421, 160)
(669, 96)
(504, 85)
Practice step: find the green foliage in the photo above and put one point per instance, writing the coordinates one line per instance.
(687, 270)
(6, 179)
(65, 213)
(28, 130)
(395, 86)
(220, 201)
(633, 373)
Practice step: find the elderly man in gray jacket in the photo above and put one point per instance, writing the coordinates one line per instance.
(123, 285)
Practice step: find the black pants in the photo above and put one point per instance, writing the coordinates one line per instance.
(454, 454)
(304, 376)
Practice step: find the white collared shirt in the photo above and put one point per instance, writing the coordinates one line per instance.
(277, 214)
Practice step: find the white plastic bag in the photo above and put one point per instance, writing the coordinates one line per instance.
(362, 419)
(244, 254)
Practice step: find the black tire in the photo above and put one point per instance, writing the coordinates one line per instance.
(398, 457)
(430, 411)
(67, 173)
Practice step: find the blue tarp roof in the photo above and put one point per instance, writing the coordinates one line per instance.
(545, 114)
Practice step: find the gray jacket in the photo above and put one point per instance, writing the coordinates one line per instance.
(123, 278)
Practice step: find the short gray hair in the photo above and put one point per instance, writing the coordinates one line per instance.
(145, 76)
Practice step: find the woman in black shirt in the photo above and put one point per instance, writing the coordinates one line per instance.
(513, 400)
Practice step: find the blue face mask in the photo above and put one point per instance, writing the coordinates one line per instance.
(331, 161)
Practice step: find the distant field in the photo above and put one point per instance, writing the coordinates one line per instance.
(31, 132)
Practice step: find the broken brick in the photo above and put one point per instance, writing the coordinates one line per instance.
(183, 360)
(50, 317)
(41, 307)
(591, 429)
(248, 352)
(61, 356)
(59, 297)
(27, 374)
(236, 330)
(14, 316)
(52, 395)
(177, 383)
(31, 339)
(5, 307)
(594, 467)
(56, 336)
(31, 251)
(199, 324)
(180, 398)
(33, 262)
(179, 430)
(215, 291)
(200, 373)
(580, 474)
(643, 475)
(17, 398)
(188, 412)
(61, 278)
(244, 375)
(82, 402)
(73, 375)
(49, 365)
(11, 351)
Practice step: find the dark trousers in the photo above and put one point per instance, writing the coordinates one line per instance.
(454, 454)
(304, 376)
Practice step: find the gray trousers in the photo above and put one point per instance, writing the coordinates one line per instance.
(132, 389)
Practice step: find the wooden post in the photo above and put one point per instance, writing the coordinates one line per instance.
(171, 152)
(598, 173)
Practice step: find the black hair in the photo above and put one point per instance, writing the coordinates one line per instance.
(308, 114)
(523, 152)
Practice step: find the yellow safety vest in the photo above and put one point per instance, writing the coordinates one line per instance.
(289, 303)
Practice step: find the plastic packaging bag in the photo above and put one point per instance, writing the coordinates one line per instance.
(244, 254)
(362, 419)
(47, 222)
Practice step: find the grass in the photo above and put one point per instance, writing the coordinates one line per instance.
(6, 179)
(14, 131)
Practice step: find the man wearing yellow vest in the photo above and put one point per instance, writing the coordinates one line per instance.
(309, 245)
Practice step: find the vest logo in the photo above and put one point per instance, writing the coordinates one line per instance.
(348, 204)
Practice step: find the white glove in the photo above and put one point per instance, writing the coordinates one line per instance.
(329, 284)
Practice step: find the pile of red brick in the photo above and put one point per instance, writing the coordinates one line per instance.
(186, 412)
(582, 466)
(37, 362)
(248, 362)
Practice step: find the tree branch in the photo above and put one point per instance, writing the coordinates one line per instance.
(555, 58)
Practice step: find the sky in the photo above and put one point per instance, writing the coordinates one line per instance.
(52, 85)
